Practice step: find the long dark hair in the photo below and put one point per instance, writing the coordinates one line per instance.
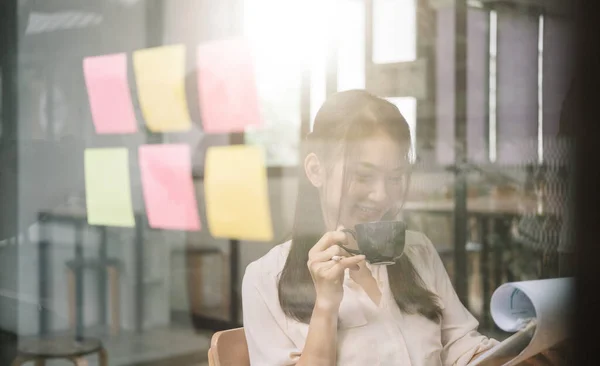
(346, 116)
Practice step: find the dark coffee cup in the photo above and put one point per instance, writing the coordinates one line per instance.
(381, 242)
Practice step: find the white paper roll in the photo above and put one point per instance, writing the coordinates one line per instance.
(549, 302)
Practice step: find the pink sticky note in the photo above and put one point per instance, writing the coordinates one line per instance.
(108, 92)
(227, 86)
(168, 187)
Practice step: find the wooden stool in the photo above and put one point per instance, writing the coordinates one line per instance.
(111, 266)
(40, 350)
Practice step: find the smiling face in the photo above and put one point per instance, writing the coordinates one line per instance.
(372, 185)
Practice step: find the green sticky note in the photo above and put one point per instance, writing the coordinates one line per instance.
(108, 188)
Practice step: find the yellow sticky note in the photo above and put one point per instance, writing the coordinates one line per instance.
(107, 187)
(160, 80)
(236, 194)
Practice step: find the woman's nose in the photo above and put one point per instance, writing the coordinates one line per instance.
(378, 191)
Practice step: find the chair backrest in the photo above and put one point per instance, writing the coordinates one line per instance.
(229, 348)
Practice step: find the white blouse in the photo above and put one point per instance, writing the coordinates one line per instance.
(368, 334)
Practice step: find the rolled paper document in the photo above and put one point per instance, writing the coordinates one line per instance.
(544, 307)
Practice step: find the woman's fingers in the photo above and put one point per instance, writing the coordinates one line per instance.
(327, 254)
(350, 235)
(347, 262)
(329, 239)
(326, 259)
(337, 266)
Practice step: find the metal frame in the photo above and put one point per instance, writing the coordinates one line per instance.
(460, 135)
(9, 225)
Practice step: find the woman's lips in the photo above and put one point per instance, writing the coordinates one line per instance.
(369, 213)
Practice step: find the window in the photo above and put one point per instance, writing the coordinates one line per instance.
(394, 31)
(279, 62)
(408, 108)
(351, 52)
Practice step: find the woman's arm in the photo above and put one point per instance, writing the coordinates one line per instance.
(268, 345)
(268, 342)
(460, 338)
(321, 342)
(320, 348)
(462, 343)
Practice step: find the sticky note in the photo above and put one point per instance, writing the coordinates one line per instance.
(107, 187)
(227, 88)
(237, 202)
(160, 80)
(168, 187)
(108, 93)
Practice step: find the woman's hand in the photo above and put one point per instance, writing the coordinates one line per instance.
(327, 263)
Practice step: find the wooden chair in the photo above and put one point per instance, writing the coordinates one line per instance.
(229, 348)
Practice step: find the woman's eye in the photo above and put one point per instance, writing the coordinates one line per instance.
(397, 179)
(363, 177)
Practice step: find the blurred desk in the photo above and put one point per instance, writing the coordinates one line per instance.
(510, 205)
(493, 215)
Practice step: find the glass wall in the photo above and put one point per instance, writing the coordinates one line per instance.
(152, 151)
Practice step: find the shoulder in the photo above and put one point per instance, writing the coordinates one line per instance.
(422, 255)
(417, 244)
(270, 265)
(259, 285)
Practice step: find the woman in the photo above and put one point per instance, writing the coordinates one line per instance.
(308, 302)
